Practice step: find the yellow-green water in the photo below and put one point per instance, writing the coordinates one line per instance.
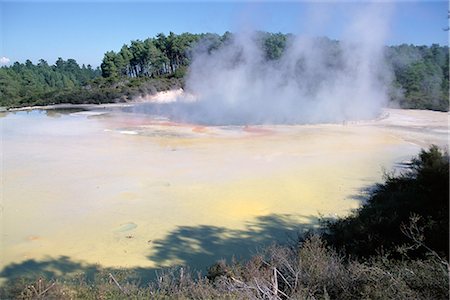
(125, 190)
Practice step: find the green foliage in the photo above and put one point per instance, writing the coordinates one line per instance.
(274, 45)
(376, 227)
(153, 57)
(29, 84)
(65, 86)
(422, 73)
(111, 65)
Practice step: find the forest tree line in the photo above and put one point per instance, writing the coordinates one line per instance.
(421, 78)
(23, 83)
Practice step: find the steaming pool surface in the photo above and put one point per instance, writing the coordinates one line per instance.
(120, 189)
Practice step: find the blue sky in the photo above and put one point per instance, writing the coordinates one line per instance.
(85, 30)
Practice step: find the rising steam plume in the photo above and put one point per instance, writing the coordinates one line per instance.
(315, 80)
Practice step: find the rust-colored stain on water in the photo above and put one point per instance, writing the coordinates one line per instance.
(199, 129)
(257, 130)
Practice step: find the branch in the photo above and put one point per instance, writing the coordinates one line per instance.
(118, 285)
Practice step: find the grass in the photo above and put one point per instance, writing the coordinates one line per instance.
(311, 271)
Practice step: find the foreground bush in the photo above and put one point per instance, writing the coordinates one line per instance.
(409, 211)
(315, 271)
(312, 271)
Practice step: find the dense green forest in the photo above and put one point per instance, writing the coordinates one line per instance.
(420, 72)
(22, 84)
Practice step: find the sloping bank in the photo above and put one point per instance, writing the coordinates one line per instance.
(100, 91)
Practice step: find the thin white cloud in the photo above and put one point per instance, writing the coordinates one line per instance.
(4, 60)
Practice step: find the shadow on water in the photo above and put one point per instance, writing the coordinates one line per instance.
(200, 246)
(48, 268)
(364, 193)
(195, 246)
(57, 112)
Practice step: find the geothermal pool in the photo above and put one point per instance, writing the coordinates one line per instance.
(121, 189)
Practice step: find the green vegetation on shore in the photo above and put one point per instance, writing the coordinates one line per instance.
(412, 205)
(29, 84)
(394, 247)
(66, 82)
(420, 72)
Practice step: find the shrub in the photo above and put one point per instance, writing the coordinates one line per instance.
(423, 191)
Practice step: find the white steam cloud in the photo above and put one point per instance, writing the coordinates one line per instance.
(315, 80)
(4, 60)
